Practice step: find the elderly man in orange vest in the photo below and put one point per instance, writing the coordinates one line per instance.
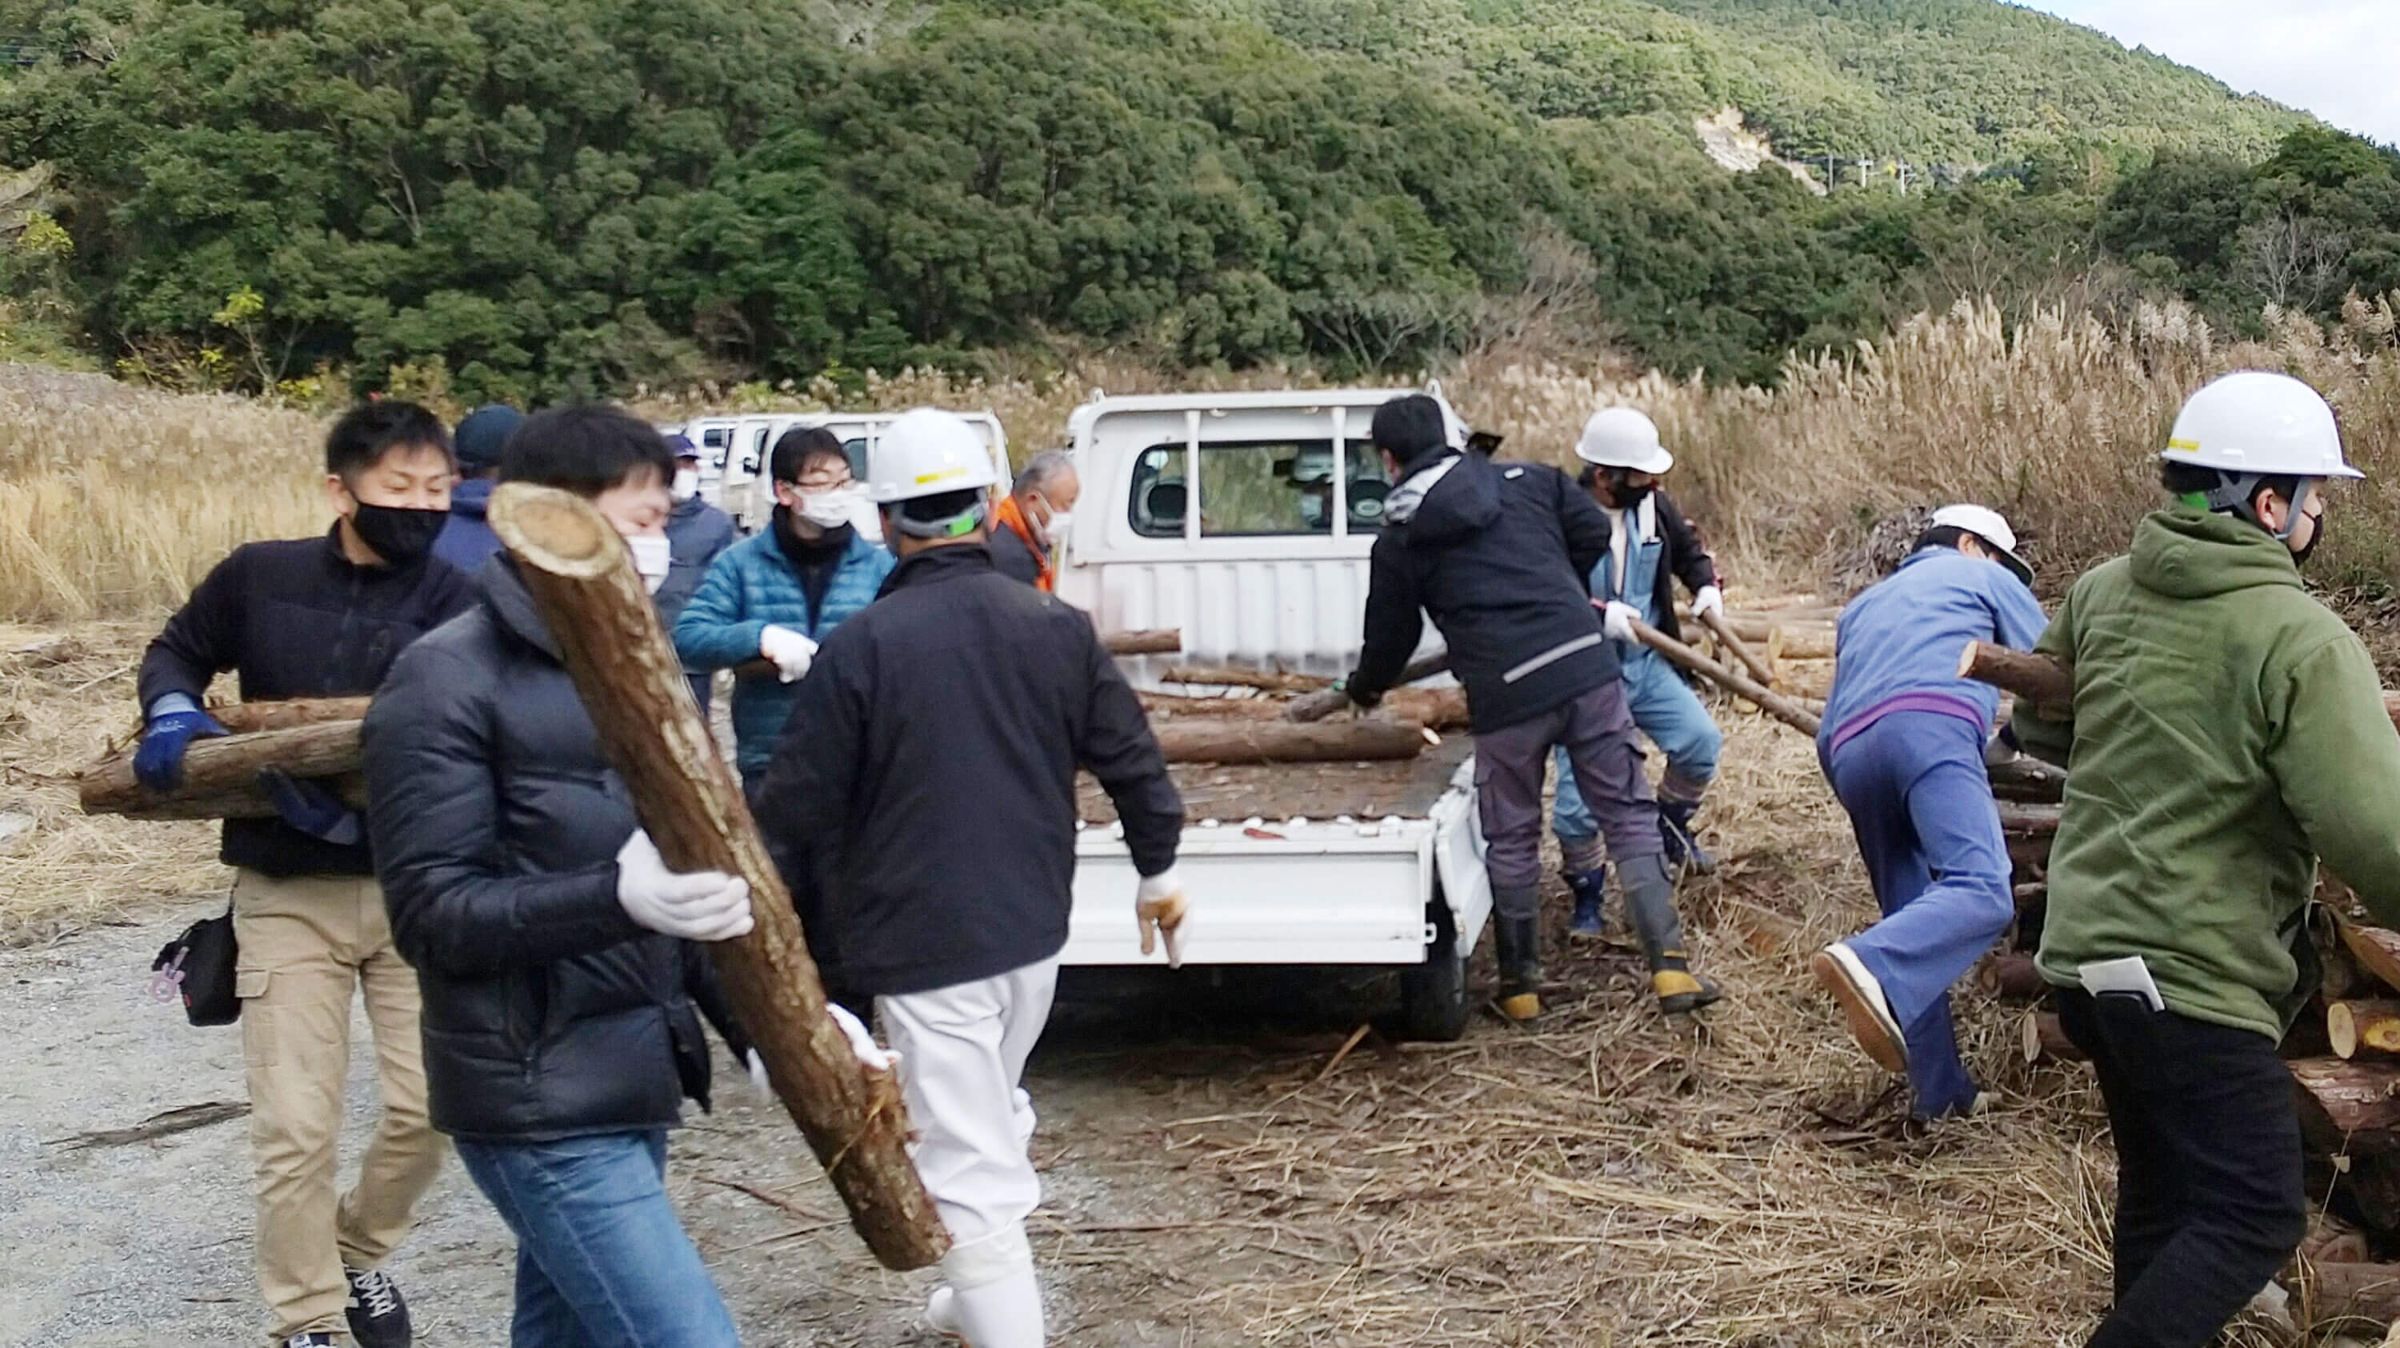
(1032, 520)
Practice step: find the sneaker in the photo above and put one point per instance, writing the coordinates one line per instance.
(1588, 887)
(309, 1341)
(1840, 972)
(378, 1315)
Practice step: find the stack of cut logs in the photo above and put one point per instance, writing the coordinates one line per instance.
(2343, 1052)
(1248, 716)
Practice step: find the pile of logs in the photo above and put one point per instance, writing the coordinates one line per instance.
(2343, 1052)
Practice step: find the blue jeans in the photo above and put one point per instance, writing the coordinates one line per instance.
(601, 1258)
(1920, 803)
(1666, 709)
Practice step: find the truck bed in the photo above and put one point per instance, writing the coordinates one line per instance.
(1403, 787)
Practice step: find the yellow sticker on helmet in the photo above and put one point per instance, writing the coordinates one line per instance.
(2186, 446)
(940, 473)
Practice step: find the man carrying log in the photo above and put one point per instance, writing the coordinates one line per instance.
(1650, 546)
(1497, 553)
(922, 810)
(2227, 732)
(320, 617)
(1904, 742)
(554, 946)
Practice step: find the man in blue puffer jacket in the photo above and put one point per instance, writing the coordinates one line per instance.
(776, 595)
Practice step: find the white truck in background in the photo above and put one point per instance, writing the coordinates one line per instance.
(734, 454)
(1244, 520)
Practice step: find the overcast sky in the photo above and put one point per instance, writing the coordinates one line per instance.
(2331, 57)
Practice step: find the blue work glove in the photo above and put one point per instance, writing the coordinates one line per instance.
(312, 809)
(158, 763)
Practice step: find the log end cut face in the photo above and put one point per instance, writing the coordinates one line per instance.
(559, 531)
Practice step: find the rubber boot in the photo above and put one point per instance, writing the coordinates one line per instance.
(1650, 900)
(1588, 887)
(993, 1298)
(1684, 852)
(1517, 942)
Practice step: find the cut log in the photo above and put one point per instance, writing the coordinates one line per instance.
(1234, 676)
(2030, 895)
(1235, 708)
(2376, 950)
(2369, 1028)
(582, 579)
(220, 775)
(2335, 1291)
(2349, 1107)
(2029, 821)
(1317, 706)
(1740, 685)
(1800, 638)
(2038, 679)
(1157, 641)
(1433, 708)
(1219, 739)
(2330, 1240)
(2041, 1040)
(2011, 974)
(1738, 648)
(2028, 779)
(243, 718)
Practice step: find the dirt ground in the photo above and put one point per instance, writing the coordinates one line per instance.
(1219, 1169)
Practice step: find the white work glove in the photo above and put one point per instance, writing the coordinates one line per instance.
(792, 652)
(700, 906)
(758, 1071)
(871, 1055)
(1617, 619)
(1159, 908)
(1708, 600)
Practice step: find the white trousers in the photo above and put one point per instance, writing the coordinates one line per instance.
(962, 1056)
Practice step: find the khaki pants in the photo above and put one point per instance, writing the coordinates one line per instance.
(308, 943)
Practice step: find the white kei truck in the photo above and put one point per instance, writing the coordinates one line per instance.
(1244, 520)
(734, 450)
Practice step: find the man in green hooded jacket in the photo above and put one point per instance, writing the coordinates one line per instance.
(2227, 731)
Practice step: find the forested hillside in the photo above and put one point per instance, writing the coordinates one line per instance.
(541, 198)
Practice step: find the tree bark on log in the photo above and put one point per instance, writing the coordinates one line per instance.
(582, 578)
(1739, 649)
(2011, 974)
(2330, 1291)
(2376, 950)
(1219, 739)
(1433, 708)
(244, 718)
(220, 775)
(2038, 679)
(2029, 780)
(1316, 706)
(1234, 676)
(2041, 1040)
(1803, 638)
(2029, 821)
(1156, 641)
(1740, 685)
(2369, 1028)
(2349, 1106)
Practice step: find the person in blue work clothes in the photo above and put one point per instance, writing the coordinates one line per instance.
(1904, 743)
(775, 595)
(1650, 546)
(697, 535)
(467, 540)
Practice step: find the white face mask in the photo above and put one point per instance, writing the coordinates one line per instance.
(686, 484)
(652, 556)
(1060, 522)
(831, 509)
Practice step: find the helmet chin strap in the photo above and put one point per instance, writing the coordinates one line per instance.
(2237, 494)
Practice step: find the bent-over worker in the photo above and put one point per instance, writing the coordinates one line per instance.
(1650, 546)
(1904, 744)
(2228, 732)
(922, 808)
(1497, 554)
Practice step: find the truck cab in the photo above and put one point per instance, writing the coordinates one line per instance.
(1244, 520)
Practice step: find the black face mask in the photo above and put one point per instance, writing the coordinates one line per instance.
(400, 536)
(2300, 558)
(1629, 497)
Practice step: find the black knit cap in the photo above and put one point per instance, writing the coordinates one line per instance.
(1410, 428)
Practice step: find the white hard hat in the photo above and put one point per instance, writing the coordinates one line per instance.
(2259, 424)
(926, 452)
(1620, 437)
(1990, 528)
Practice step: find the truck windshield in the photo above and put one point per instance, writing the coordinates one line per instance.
(1259, 488)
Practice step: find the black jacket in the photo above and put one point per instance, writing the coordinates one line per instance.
(297, 619)
(922, 805)
(1013, 557)
(497, 819)
(1682, 557)
(1499, 554)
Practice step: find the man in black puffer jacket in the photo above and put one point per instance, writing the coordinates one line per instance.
(1497, 554)
(560, 1033)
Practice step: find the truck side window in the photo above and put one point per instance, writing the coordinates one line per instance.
(1254, 489)
(717, 440)
(1159, 495)
(855, 450)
